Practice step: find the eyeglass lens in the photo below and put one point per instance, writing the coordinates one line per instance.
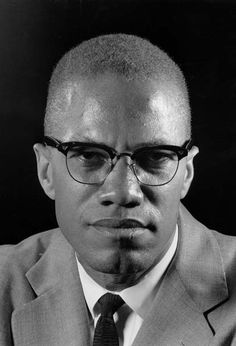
(91, 165)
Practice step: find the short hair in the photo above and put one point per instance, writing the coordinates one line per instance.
(127, 55)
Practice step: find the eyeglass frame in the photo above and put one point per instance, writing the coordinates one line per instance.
(64, 147)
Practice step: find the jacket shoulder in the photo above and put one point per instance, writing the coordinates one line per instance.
(15, 290)
(227, 246)
(24, 254)
(16, 260)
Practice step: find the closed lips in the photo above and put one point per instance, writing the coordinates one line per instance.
(117, 223)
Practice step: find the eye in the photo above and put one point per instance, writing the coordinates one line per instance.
(160, 155)
(156, 159)
(88, 156)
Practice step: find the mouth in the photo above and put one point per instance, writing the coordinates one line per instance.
(121, 228)
(119, 223)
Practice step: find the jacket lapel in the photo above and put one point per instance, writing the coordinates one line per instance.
(58, 315)
(174, 318)
(194, 286)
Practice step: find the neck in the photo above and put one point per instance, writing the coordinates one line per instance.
(114, 282)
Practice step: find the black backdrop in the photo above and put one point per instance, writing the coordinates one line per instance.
(34, 34)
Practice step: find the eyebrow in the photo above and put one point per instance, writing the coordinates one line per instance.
(154, 143)
(86, 140)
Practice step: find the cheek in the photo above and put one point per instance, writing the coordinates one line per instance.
(71, 206)
(71, 201)
(169, 200)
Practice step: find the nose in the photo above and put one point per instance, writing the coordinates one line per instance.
(121, 187)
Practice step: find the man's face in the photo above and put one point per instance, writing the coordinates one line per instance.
(124, 115)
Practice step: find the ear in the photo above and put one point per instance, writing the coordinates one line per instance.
(44, 168)
(189, 171)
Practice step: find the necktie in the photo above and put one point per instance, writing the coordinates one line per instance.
(105, 332)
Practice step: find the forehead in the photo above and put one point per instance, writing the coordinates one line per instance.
(111, 109)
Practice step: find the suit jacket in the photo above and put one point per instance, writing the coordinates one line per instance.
(42, 302)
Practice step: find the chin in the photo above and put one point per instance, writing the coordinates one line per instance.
(121, 263)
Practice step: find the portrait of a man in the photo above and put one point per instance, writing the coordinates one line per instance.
(127, 263)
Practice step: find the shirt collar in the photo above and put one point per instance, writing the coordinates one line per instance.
(138, 297)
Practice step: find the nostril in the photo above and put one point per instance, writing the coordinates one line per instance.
(118, 200)
(106, 203)
(131, 204)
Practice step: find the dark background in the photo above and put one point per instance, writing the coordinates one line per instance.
(34, 34)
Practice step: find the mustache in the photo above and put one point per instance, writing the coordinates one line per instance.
(120, 223)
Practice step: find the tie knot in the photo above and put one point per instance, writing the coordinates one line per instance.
(110, 303)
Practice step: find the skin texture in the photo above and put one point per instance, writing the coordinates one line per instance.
(124, 115)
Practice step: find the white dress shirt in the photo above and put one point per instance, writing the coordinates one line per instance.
(138, 298)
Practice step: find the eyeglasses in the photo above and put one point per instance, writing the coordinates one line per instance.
(89, 163)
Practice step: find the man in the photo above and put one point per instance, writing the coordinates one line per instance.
(117, 159)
